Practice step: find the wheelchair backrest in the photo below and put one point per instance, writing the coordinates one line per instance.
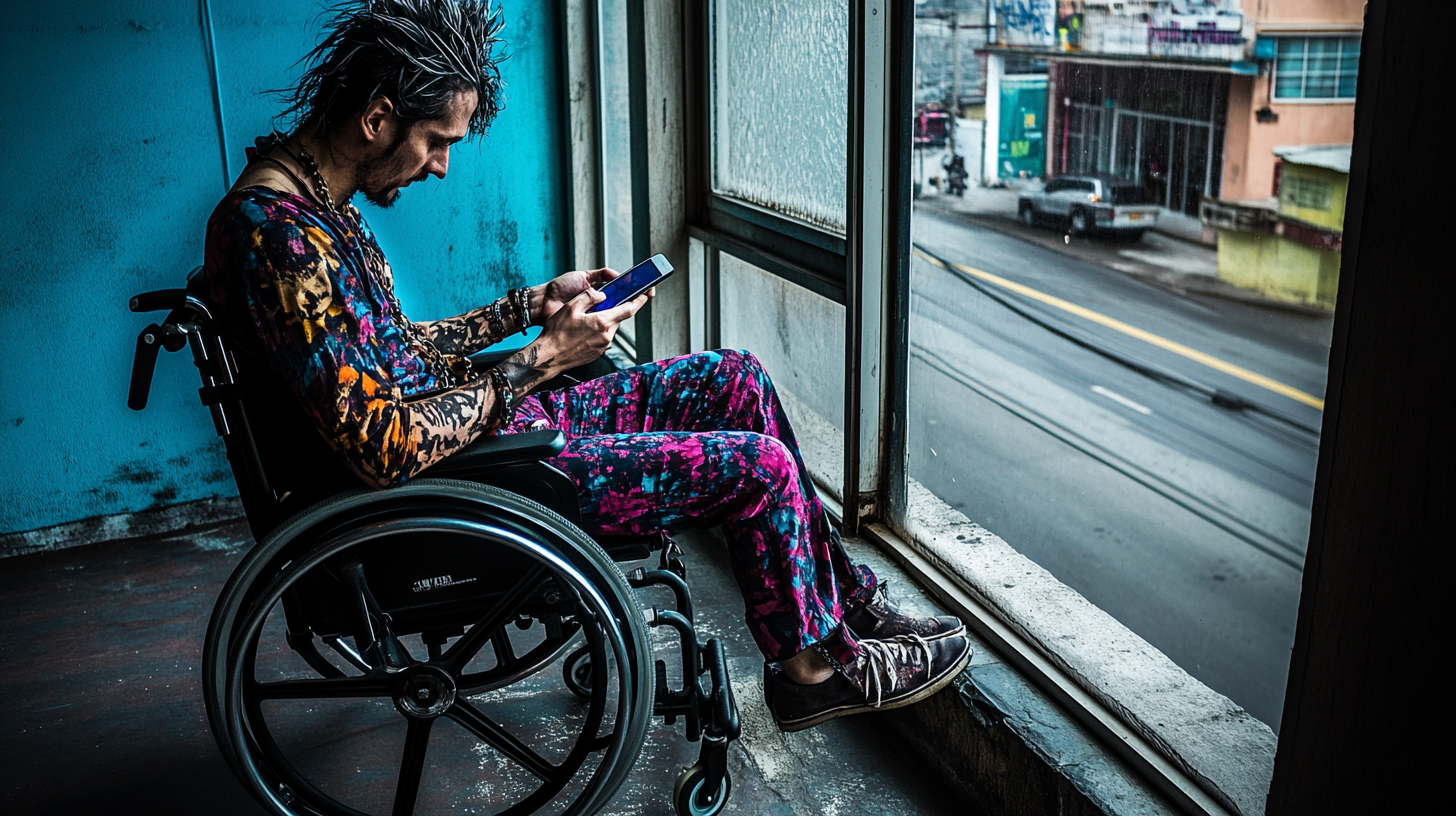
(279, 461)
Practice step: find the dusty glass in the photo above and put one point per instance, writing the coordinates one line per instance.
(1121, 312)
(780, 76)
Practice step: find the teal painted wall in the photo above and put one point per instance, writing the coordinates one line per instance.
(110, 165)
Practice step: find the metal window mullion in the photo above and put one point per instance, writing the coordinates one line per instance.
(864, 246)
(641, 190)
(895, 337)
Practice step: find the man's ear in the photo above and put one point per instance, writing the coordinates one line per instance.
(377, 121)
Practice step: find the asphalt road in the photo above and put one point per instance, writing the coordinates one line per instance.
(1099, 453)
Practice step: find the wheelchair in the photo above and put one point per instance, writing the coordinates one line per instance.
(372, 652)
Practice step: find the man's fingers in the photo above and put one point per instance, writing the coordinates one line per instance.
(602, 275)
(622, 311)
(584, 300)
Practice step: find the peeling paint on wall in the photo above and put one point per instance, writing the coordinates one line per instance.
(110, 196)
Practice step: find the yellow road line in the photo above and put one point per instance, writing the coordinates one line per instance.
(1133, 331)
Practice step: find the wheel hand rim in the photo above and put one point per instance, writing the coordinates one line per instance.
(242, 706)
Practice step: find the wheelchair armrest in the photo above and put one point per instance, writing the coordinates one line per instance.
(500, 450)
(488, 358)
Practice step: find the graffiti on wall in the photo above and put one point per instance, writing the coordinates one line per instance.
(1030, 23)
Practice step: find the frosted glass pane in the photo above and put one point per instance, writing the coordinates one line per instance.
(799, 338)
(780, 106)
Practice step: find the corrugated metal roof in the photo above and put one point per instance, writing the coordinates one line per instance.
(1335, 157)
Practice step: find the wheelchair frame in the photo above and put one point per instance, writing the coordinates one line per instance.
(500, 551)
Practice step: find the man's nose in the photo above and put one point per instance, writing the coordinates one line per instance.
(438, 165)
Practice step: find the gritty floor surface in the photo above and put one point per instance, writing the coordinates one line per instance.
(103, 712)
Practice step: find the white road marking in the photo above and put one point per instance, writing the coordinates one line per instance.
(1116, 397)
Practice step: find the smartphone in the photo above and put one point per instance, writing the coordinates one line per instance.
(634, 282)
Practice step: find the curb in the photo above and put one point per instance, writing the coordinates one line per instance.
(1174, 282)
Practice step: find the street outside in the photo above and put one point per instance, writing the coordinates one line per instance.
(1138, 427)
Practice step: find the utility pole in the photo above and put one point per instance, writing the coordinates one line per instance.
(955, 72)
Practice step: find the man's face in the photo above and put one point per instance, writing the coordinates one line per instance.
(412, 154)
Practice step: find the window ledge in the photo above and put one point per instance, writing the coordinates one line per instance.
(1195, 745)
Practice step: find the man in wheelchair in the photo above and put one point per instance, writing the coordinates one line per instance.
(693, 442)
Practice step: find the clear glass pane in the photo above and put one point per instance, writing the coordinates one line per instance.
(1127, 386)
(780, 82)
(1320, 86)
(1347, 86)
(1288, 85)
(799, 338)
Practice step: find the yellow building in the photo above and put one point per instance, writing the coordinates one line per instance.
(1288, 247)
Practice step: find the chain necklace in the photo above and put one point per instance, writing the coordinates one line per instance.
(435, 360)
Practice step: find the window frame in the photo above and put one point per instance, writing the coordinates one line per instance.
(870, 277)
(1304, 76)
(803, 253)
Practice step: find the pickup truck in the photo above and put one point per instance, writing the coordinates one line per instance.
(1083, 204)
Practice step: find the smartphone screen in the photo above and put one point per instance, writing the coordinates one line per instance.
(633, 282)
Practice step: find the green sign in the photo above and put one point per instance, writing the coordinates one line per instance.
(1022, 127)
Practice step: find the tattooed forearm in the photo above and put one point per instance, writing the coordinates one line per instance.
(443, 424)
(475, 330)
(526, 370)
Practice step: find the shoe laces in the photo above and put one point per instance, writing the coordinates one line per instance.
(882, 660)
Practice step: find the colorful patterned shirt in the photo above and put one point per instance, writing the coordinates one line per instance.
(296, 287)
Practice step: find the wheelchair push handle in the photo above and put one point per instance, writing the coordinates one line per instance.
(169, 299)
(171, 334)
(149, 344)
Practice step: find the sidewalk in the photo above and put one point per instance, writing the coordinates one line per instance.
(1172, 255)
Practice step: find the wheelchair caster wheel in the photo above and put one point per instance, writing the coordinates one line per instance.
(577, 672)
(689, 798)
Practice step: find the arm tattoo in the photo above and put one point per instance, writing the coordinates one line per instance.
(525, 370)
(445, 423)
(474, 330)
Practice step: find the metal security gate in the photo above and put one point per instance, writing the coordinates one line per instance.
(1175, 158)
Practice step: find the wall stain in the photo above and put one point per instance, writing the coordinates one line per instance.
(16, 422)
(134, 473)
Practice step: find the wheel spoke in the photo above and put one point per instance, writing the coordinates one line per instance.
(465, 648)
(502, 740)
(320, 689)
(412, 766)
(505, 654)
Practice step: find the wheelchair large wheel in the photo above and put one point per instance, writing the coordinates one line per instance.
(432, 693)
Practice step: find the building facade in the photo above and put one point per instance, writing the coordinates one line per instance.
(1186, 97)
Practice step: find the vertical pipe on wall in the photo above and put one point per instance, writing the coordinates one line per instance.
(205, 12)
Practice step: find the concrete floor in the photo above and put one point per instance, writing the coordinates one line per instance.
(100, 664)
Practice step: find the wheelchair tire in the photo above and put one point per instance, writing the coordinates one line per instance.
(455, 512)
(689, 798)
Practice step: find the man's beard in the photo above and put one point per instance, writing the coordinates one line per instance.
(383, 199)
(387, 166)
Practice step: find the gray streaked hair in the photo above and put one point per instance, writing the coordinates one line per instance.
(416, 53)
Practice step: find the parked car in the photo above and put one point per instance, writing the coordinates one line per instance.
(1084, 204)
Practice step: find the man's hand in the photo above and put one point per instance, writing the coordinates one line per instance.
(573, 336)
(549, 298)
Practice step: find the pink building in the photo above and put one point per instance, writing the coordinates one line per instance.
(1186, 97)
(1304, 96)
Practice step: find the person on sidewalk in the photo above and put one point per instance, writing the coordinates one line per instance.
(696, 441)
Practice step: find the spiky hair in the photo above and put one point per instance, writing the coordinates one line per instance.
(416, 53)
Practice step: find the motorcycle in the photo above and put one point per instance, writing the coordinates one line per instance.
(956, 175)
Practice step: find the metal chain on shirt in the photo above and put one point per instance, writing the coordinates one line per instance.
(435, 360)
